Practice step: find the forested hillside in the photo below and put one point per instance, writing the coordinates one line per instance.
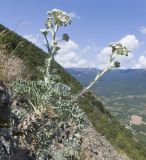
(123, 93)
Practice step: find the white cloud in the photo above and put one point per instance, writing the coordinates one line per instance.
(142, 30)
(32, 38)
(70, 45)
(103, 57)
(74, 15)
(87, 49)
(141, 62)
(24, 23)
(90, 48)
(130, 41)
(37, 40)
(69, 55)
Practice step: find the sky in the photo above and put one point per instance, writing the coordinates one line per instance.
(96, 24)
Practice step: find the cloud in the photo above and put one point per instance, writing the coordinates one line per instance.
(72, 55)
(90, 48)
(37, 40)
(24, 23)
(141, 62)
(103, 57)
(32, 38)
(69, 55)
(74, 15)
(130, 41)
(142, 30)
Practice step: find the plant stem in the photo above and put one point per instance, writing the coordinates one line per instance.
(98, 76)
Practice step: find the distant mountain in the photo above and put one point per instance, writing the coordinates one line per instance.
(116, 82)
(123, 93)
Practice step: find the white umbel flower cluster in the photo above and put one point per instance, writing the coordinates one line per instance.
(119, 49)
(58, 17)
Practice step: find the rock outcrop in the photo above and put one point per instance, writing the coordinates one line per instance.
(5, 102)
(96, 147)
(9, 149)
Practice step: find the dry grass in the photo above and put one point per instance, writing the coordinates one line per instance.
(11, 68)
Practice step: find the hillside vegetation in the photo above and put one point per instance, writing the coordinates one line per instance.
(14, 47)
(123, 93)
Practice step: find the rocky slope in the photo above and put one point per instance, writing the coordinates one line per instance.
(93, 145)
(96, 147)
(123, 93)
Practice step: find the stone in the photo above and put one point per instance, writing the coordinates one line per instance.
(5, 103)
(96, 147)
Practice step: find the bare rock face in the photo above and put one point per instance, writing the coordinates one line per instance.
(5, 102)
(96, 147)
(9, 149)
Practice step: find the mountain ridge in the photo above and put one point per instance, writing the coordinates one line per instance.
(122, 92)
(132, 79)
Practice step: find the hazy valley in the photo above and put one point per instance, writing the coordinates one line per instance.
(123, 93)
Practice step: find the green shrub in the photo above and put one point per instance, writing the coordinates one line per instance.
(44, 102)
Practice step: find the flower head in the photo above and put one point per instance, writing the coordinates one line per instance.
(119, 49)
(58, 17)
